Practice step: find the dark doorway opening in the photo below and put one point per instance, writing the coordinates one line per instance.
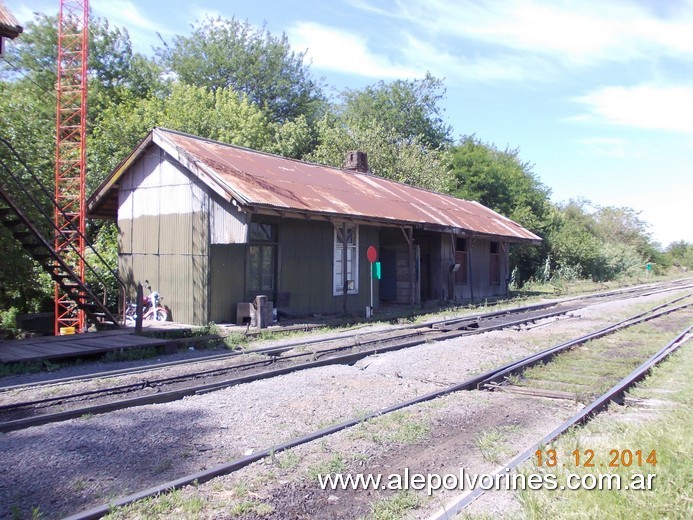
(388, 280)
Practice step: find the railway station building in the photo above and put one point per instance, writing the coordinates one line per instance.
(212, 225)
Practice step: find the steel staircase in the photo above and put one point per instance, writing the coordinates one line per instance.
(15, 219)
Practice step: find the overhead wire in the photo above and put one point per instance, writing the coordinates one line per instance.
(52, 94)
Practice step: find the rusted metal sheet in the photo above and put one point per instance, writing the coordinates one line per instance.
(267, 182)
(9, 26)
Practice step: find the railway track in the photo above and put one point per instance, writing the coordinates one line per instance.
(276, 361)
(628, 292)
(614, 394)
(280, 361)
(483, 382)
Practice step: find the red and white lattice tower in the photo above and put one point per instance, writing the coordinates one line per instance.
(70, 152)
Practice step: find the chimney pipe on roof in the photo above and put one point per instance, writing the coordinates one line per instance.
(357, 161)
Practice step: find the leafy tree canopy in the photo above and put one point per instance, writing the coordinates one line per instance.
(111, 60)
(222, 115)
(389, 156)
(500, 180)
(680, 254)
(409, 109)
(231, 54)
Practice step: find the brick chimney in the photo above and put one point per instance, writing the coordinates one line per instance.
(357, 161)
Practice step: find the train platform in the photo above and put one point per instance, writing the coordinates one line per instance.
(43, 348)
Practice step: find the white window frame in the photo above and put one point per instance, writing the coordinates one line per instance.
(337, 284)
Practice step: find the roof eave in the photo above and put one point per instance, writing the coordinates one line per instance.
(268, 209)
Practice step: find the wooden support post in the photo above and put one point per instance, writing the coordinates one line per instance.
(505, 246)
(125, 306)
(471, 272)
(451, 274)
(139, 309)
(409, 237)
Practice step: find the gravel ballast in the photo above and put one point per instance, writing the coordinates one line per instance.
(67, 467)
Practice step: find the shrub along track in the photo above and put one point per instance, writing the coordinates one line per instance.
(483, 381)
(271, 362)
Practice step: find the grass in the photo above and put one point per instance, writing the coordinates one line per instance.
(492, 443)
(17, 513)
(335, 464)
(401, 427)
(175, 504)
(667, 431)
(395, 507)
(598, 364)
(286, 460)
(254, 507)
(236, 340)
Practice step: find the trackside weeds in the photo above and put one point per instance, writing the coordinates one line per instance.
(466, 481)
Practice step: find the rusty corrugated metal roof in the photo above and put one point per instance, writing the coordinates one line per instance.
(9, 26)
(260, 180)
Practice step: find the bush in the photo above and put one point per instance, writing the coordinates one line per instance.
(617, 261)
(8, 319)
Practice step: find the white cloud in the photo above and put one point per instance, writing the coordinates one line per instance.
(335, 49)
(582, 33)
(455, 67)
(125, 14)
(649, 107)
(338, 50)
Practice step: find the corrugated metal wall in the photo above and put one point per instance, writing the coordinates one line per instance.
(167, 220)
(478, 283)
(227, 224)
(163, 218)
(305, 255)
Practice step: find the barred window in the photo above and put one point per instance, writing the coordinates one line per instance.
(352, 260)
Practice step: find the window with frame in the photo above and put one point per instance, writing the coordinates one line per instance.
(352, 260)
(262, 257)
(461, 258)
(494, 264)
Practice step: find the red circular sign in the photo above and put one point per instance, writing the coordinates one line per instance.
(372, 254)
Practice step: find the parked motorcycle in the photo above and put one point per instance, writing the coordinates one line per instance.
(152, 309)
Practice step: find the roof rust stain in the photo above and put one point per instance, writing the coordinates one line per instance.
(264, 179)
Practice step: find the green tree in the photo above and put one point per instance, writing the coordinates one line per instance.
(229, 54)
(603, 243)
(409, 109)
(572, 240)
(222, 115)
(398, 124)
(624, 226)
(112, 63)
(27, 109)
(500, 180)
(29, 131)
(680, 254)
(403, 160)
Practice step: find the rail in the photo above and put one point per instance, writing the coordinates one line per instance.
(471, 384)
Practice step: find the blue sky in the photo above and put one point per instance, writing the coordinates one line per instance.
(596, 94)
